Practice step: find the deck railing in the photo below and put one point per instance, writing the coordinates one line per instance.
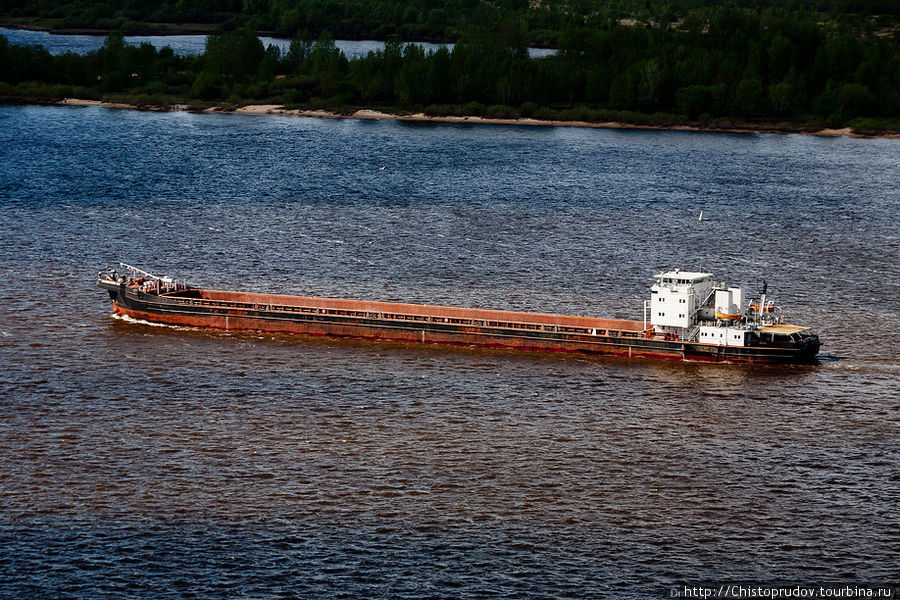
(358, 314)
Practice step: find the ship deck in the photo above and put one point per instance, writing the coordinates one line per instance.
(783, 329)
(407, 312)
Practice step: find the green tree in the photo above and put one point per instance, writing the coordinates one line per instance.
(206, 86)
(780, 98)
(234, 55)
(299, 50)
(695, 100)
(854, 99)
(748, 96)
(650, 82)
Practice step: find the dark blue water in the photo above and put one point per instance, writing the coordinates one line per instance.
(186, 45)
(149, 462)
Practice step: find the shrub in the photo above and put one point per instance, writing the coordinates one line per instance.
(474, 108)
(439, 110)
(502, 111)
(875, 126)
(528, 109)
(546, 114)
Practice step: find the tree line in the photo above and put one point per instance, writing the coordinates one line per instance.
(733, 65)
(423, 20)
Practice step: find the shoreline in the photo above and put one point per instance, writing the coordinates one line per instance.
(365, 114)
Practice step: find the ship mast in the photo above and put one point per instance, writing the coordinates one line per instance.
(136, 272)
(141, 272)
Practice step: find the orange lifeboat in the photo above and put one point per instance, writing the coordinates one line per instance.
(728, 316)
(767, 308)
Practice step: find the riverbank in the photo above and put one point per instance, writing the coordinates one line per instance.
(419, 117)
(474, 82)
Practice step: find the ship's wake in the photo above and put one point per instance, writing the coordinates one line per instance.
(134, 321)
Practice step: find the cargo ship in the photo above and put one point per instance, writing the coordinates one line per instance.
(688, 317)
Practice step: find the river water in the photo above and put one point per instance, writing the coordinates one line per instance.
(147, 462)
(188, 44)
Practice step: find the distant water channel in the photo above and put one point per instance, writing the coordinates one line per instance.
(148, 462)
(61, 43)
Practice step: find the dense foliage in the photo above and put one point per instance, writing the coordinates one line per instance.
(734, 65)
(544, 20)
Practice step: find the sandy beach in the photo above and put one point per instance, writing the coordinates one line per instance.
(369, 114)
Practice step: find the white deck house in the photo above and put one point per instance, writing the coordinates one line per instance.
(690, 306)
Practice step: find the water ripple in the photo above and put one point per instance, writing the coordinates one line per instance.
(149, 461)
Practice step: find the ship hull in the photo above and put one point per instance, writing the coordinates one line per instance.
(232, 311)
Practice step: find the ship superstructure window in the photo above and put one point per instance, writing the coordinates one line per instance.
(687, 289)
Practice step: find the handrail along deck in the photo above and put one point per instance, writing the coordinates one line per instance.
(358, 314)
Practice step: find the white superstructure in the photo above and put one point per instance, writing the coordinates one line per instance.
(688, 305)
(676, 297)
